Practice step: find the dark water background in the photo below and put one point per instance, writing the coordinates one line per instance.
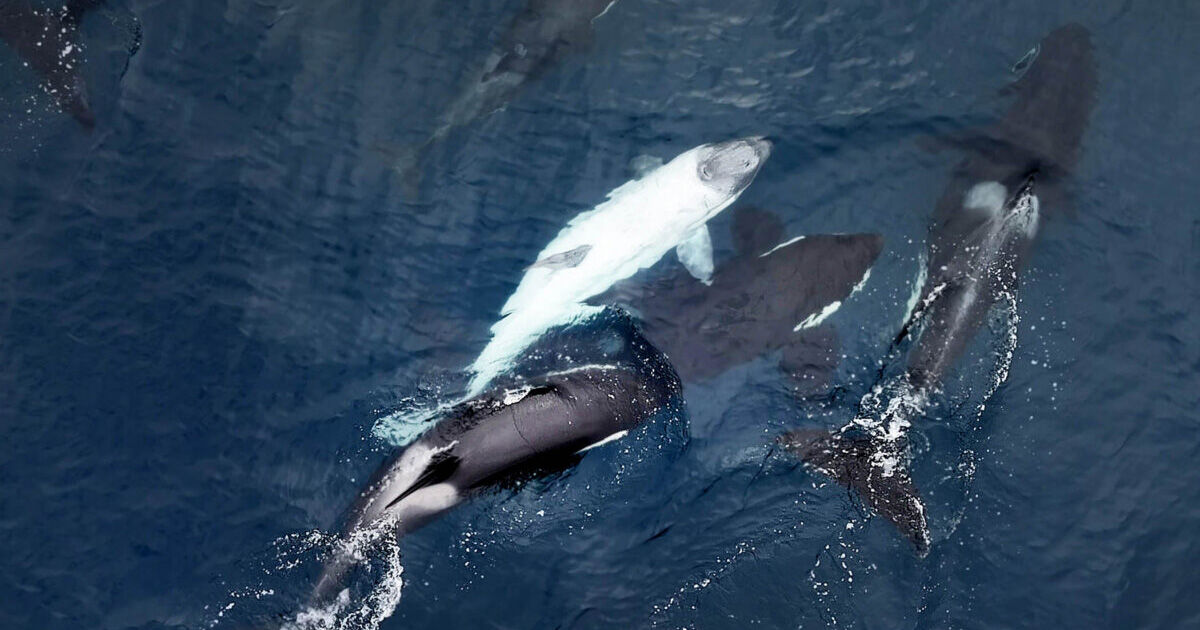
(207, 303)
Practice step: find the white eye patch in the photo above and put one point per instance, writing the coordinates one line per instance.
(987, 197)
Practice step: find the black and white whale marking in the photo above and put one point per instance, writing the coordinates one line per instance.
(774, 295)
(979, 239)
(47, 40)
(543, 425)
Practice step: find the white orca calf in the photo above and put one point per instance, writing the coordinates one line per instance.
(666, 208)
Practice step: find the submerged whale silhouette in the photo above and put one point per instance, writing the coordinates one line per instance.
(979, 239)
(544, 32)
(773, 295)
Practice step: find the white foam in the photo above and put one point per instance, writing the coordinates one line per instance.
(1025, 215)
(379, 604)
(918, 286)
(402, 427)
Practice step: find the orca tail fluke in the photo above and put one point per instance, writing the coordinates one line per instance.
(874, 469)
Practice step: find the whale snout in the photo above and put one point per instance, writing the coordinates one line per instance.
(759, 145)
(732, 165)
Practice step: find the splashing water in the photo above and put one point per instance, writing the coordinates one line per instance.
(376, 550)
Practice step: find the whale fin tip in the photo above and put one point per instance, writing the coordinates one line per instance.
(874, 470)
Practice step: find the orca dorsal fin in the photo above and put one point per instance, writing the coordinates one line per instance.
(755, 231)
(873, 470)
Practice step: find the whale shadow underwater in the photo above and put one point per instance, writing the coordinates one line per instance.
(980, 237)
(773, 295)
(544, 32)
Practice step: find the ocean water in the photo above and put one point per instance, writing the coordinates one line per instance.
(211, 302)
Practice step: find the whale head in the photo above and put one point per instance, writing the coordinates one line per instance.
(711, 176)
(727, 168)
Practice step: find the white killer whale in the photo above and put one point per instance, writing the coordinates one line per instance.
(666, 208)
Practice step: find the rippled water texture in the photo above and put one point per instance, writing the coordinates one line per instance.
(210, 301)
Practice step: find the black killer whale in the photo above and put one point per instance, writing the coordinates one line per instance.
(773, 295)
(536, 426)
(541, 34)
(47, 40)
(979, 239)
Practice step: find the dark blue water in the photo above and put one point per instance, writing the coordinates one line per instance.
(208, 303)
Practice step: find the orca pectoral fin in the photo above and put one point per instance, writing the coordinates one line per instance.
(875, 471)
(696, 254)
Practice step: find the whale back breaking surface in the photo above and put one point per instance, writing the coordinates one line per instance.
(530, 427)
(974, 255)
(976, 248)
(1052, 102)
(1041, 130)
